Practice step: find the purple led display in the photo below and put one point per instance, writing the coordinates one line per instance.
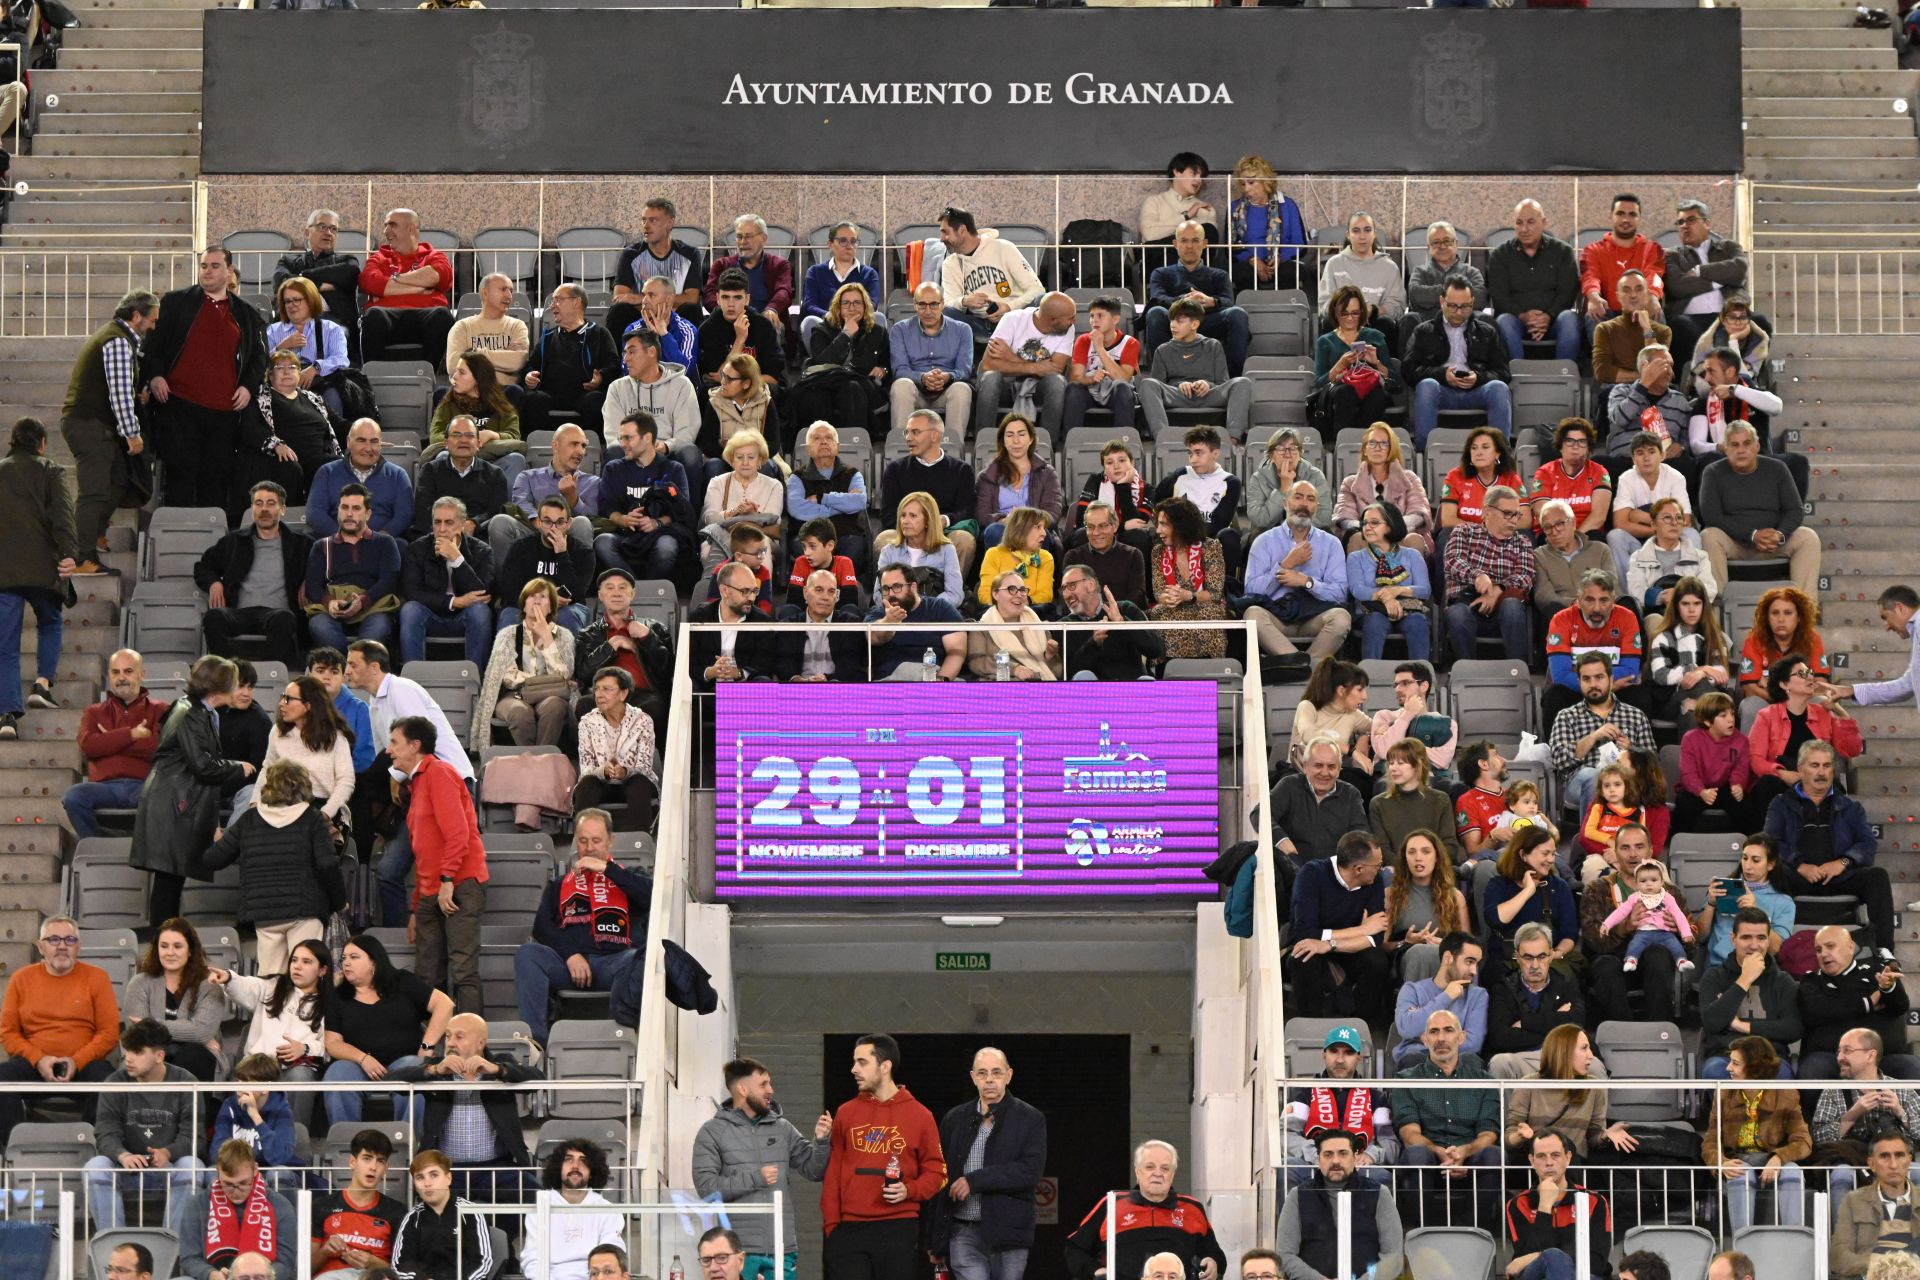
(990, 791)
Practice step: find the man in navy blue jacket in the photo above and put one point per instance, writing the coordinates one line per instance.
(996, 1146)
(389, 487)
(644, 493)
(589, 932)
(1338, 929)
(353, 577)
(1189, 276)
(1827, 844)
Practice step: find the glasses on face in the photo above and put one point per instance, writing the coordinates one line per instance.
(288, 697)
(1800, 673)
(1671, 517)
(845, 240)
(1458, 306)
(1686, 220)
(1506, 513)
(115, 1269)
(716, 1259)
(1376, 444)
(1739, 317)
(61, 940)
(1015, 591)
(731, 377)
(325, 226)
(927, 304)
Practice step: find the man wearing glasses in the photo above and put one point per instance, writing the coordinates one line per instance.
(336, 275)
(130, 1262)
(983, 1221)
(1704, 273)
(732, 654)
(824, 279)
(932, 362)
(721, 1257)
(58, 1023)
(1490, 573)
(238, 1229)
(1426, 282)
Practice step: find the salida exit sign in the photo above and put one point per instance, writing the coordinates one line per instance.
(962, 961)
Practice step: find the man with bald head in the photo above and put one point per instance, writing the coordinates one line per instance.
(996, 1149)
(1027, 358)
(805, 652)
(477, 1128)
(406, 283)
(1854, 986)
(388, 485)
(117, 738)
(1448, 1137)
(1534, 282)
(1190, 277)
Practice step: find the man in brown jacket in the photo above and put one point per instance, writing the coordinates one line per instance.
(36, 527)
(1876, 1219)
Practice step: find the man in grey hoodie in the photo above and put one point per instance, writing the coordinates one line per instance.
(662, 390)
(744, 1154)
(145, 1140)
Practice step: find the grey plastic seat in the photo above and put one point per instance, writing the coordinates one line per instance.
(1450, 1253)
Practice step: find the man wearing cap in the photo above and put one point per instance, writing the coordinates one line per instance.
(1359, 1110)
(618, 637)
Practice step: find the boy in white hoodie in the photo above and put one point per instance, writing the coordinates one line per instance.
(983, 277)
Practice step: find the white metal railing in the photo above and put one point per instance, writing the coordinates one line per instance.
(1863, 290)
(68, 293)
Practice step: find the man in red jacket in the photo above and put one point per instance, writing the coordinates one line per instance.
(117, 738)
(406, 284)
(884, 1164)
(449, 865)
(1603, 262)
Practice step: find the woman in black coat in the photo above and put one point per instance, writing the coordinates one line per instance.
(289, 872)
(181, 803)
(860, 356)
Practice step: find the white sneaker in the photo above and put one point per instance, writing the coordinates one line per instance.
(1685, 966)
(1913, 906)
(1632, 963)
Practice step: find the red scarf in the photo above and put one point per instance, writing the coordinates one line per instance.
(229, 1236)
(1196, 571)
(1323, 1113)
(592, 898)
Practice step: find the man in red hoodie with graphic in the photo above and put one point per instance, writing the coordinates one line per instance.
(449, 865)
(1603, 262)
(884, 1164)
(406, 284)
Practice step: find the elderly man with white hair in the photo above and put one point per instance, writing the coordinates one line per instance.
(1150, 1219)
(769, 275)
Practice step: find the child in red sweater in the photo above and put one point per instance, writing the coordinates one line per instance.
(1716, 772)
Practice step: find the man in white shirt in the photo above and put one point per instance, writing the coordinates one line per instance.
(574, 1173)
(390, 698)
(1648, 480)
(1032, 347)
(501, 338)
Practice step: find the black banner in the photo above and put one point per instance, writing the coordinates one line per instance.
(864, 91)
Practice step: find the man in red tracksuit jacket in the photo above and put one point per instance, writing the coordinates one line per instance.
(449, 865)
(884, 1164)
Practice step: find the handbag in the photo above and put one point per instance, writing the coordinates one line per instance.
(537, 689)
(1364, 379)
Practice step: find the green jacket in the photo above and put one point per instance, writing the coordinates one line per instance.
(36, 524)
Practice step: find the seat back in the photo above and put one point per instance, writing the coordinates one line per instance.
(163, 1245)
(514, 252)
(103, 891)
(1304, 1039)
(1697, 859)
(1449, 1253)
(589, 255)
(255, 254)
(1778, 1253)
(44, 1159)
(1079, 455)
(455, 685)
(583, 1050)
(216, 899)
(338, 1148)
(1493, 699)
(1644, 1051)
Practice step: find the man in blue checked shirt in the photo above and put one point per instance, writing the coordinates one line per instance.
(100, 421)
(1297, 582)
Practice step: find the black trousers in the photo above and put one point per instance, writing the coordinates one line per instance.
(200, 450)
(1691, 813)
(538, 410)
(280, 626)
(1608, 987)
(428, 327)
(639, 793)
(1869, 884)
(18, 1070)
(1362, 991)
(874, 1251)
(100, 467)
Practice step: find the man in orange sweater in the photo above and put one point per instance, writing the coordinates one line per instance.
(884, 1164)
(58, 1023)
(449, 865)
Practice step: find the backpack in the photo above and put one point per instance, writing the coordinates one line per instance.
(1109, 267)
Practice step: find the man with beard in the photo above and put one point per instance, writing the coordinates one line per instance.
(748, 1151)
(1308, 1239)
(352, 578)
(1360, 1112)
(1597, 730)
(901, 602)
(1118, 653)
(574, 1173)
(118, 735)
(1594, 623)
(884, 1164)
(1297, 582)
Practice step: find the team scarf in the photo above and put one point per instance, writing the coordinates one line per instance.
(1196, 571)
(1323, 1112)
(229, 1234)
(591, 898)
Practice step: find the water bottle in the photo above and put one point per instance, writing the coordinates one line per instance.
(1002, 665)
(929, 665)
(678, 1270)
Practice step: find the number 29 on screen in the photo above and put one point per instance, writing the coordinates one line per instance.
(936, 791)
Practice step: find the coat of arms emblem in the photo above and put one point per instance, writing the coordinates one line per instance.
(1454, 107)
(505, 89)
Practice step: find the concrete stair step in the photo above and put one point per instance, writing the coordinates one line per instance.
(110, 143)
(1839, 416)
(1765, 33)
(121, 102)
(60, 124)
(1863, 481)
(105, 170)
(50, 726)
(95, 640)
(1833, 391)
(88, 218)
(103, 12)
(27, 784)
(1893, 148)
(173, 58)
(29, 869)
(1847, 170)
(28, 839)
(1795, 346)
(1763, 9)
(1802, 239)
(1888, 84)
(41, 899)
(23, 756)
(1880, 58)
(182, 33)
(96, 239)
(64, 82)
(99, 612)
(1887, 124)
(1834, 20)
(1857, 215)
(97, 274)
(1755, 105)
(1825, 445)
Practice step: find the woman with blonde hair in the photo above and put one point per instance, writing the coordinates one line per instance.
(1031, 653)
(745, 494)
(847, 364)
(529, 680)
(1265, 231)
(923, 545)
(742, 401)
(1384, 477)
(1577, 1114)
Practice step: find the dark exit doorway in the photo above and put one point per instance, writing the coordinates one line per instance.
(1081, 1084)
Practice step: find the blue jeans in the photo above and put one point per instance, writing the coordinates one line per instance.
(1790, 1193)
(972, 1260)
(759, 1266)
(1552, 1264)
(1465, 625)
(574, 617)
(107, 1185)
(538, 970)
(83, 798)
(346, 1104)
(330, 633)
(1565, 332)
(1645, 940)
(395, 876)
(13, 612)
(475, 623)
(1227, 324)
(656, 564)
(1431, 396)
(1376, 626)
